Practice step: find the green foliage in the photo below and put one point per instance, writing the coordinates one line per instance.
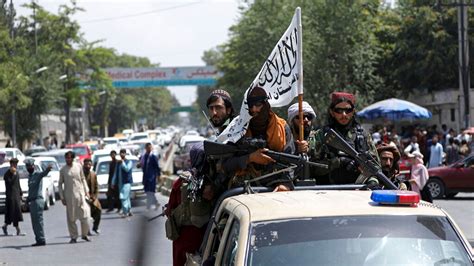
(340, 50)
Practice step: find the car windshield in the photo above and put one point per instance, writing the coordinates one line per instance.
(357, 240)
(79, 150)
(103, 167)
(54, 165)
(110, 141)
(20, 168)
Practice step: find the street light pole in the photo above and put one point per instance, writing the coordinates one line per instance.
(464, 79)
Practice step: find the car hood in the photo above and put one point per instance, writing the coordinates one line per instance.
(438, 170)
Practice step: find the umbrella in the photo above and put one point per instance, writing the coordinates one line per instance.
(469, 131)
(394, 109)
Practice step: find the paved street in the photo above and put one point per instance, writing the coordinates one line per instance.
(131, 241)
(134, 241)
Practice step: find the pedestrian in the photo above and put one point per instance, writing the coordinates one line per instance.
(452, 152)
(151, 172)
(35, 200)
(94, 203)
(13, 198)
(113, 200)
(122, 180)
(412, 147)
(73, 191)
(436, 153)
(343, 169)
(419, 176)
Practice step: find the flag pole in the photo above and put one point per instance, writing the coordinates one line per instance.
(300, 72)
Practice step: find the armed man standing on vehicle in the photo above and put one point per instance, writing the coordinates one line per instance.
(220, 109)
(342, 168)
(303, 146)
(35, 200)
(389, 157)
(264, 125)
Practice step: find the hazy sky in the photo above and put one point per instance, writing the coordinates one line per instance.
(172, 33)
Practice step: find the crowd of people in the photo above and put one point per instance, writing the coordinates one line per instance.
(79, 192)
(256, 167)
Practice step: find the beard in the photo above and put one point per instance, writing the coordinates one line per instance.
(258, 124)
(306, 130)
(216, 122)
(30, 170)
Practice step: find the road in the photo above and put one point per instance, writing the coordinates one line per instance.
(130, 241)
(135, 241)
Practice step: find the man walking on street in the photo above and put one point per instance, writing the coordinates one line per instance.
(13, 196)
(94, 203)
(36, 201)
(151, 171)
(123, 181)
(113, 200)
(73, 196)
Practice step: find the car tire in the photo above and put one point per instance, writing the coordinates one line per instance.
(436, 188)
(46, 202)
(451, 195)
(52, 199)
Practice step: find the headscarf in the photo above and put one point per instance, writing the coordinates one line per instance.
(258, 124)
(294, 108)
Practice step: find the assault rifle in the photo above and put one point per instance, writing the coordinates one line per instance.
(194, 186)
(366, 162)
(216, 150)
(162, 214)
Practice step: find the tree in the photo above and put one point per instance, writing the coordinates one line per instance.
(340, 49)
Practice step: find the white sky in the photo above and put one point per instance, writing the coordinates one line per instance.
(171, 33)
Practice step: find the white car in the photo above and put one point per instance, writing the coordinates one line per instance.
(112, 141)
(54, 173)
(190, 138)
(102, 171)
(13, 153)
(48, 187)
(139, 136)
(332, 227)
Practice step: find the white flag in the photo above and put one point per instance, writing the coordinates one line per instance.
(278, 77)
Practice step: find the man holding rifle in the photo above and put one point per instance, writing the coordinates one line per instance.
(343, 169)
(264, 125)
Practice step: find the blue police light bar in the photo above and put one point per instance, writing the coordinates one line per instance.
(395, 197)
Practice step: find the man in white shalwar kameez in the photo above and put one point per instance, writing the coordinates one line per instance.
(74, 191)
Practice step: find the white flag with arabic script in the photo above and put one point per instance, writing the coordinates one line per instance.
(278, 76)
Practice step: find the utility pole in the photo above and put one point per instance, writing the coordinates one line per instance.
(11, 24)
(464, 78)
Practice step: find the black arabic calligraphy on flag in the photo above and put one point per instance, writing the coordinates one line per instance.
(278, 77)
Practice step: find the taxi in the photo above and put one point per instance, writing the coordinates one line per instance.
(332, 227)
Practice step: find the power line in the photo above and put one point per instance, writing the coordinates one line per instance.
(139, 14)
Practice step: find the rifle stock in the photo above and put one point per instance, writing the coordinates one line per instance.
(365, 160)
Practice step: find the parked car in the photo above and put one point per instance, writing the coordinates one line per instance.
(113, 141)
(449, 180)
(58, 154)
(13, 153)
(181, 159)
(139, 135)
(34, 149)
(331, 228)
(103, 153)
(54, 173)
(102, 171)
(82, 151)
(47, 188)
